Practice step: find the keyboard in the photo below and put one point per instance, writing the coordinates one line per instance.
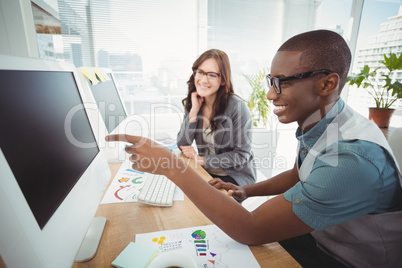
(158, 190)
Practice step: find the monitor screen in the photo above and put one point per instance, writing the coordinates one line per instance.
(52, 174)
(107, 97)
(34, 109)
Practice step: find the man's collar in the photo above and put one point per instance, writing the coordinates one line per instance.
(311, 136)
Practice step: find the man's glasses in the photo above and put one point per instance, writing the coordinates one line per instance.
(276, 82)
(211, 76)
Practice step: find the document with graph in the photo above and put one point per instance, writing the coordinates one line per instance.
(208, 245)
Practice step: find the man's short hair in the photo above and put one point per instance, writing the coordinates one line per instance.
(322, 49)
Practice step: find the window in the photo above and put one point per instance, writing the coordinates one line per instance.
(251, 31)
(151, 45)
(379, 34)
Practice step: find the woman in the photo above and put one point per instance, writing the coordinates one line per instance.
(218, 121)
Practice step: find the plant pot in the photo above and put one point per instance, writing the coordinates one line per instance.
(381, 117)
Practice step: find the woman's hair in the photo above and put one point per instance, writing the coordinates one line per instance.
(322, 49)
(224, 91)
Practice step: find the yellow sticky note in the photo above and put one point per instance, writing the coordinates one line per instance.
(88, 75)
(99, 75)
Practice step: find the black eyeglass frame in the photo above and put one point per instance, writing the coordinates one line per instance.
(276, 82)
(205, 73)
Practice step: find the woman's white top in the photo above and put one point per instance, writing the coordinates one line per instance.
(210, 142)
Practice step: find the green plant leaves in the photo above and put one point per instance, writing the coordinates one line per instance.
(258, 103)
(392, 62)
(383, 88)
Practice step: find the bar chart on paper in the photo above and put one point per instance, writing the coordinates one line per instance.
(208, 245)
(200, 242)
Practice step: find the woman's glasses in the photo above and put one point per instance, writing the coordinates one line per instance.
(211, 76)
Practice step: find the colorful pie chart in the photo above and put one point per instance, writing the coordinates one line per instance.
(199, 234)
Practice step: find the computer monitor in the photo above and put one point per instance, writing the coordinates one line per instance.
(53, 175)
(106, 94)
(100, 89)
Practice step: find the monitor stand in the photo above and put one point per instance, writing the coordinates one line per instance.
(91, 240)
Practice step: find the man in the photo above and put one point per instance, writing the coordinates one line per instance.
(341, 204)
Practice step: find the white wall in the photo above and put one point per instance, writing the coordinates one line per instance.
(17, 29)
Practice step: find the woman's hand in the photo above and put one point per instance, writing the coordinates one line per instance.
(147, 155)
(233, 190)
(196, 102)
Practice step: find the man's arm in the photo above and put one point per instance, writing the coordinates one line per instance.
(273, 186)
(272, 221)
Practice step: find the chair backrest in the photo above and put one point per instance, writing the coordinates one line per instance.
(395, 142)
(264, 143)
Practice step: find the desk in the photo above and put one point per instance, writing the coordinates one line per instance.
(124, 220)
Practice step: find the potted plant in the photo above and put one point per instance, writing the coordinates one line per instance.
(258, 103)
(382, 85)
(264, 134)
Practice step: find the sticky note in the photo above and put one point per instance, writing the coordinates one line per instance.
(89, 75)
(134, 255)
(99, 75)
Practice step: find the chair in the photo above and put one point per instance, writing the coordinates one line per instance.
(395, 142)
(264, 144)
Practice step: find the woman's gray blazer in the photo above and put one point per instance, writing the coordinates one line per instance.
(232, 141)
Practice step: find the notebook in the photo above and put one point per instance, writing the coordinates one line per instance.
(134, 255)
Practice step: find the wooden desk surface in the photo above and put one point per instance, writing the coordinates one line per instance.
(124, 220)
